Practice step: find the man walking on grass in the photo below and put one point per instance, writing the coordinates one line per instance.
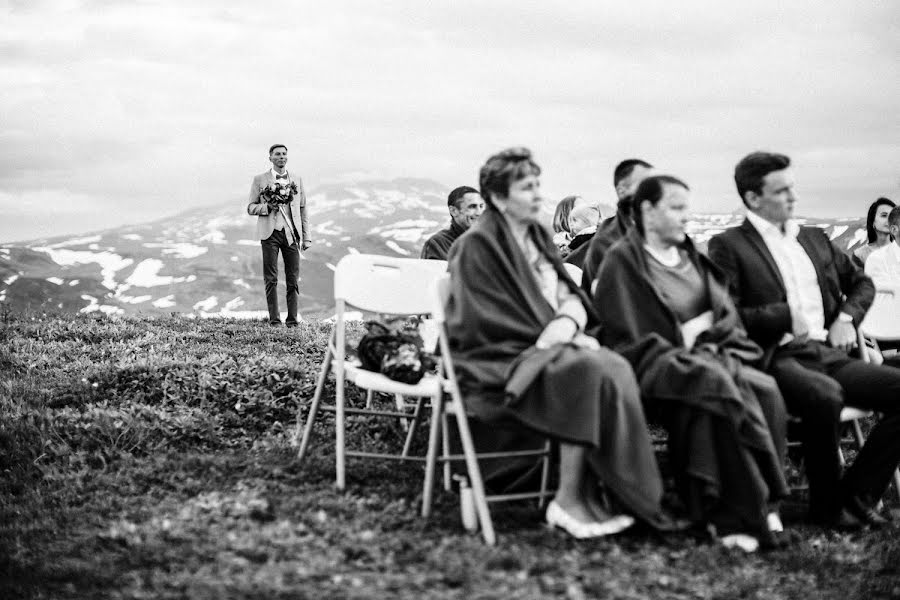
(274, 196)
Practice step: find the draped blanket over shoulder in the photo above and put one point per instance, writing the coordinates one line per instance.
(588, 397)
(726, 420)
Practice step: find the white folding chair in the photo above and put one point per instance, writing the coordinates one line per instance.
(452, 404)
(389, 286)
(881, 324)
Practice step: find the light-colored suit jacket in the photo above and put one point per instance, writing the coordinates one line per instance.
(265, 222)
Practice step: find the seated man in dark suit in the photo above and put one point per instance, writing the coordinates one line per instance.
(465, 205)
(800, 298)
(626, 177)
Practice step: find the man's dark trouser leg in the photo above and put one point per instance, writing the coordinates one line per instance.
(291, 256)
(877, 388)
(270, 248)
(816, 400)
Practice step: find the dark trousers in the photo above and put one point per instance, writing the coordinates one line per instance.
(291, 256)
(817, 381)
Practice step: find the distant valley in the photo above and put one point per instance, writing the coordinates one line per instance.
(207, 262)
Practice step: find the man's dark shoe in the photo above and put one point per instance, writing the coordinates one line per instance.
(865, 513)
(275, 323)
(843, 521)
(780, 540)
(294, 324)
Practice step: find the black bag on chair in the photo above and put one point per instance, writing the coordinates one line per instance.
(397, 354)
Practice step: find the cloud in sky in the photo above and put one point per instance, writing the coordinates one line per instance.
(121, 112)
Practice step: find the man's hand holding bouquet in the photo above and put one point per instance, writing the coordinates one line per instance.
(276, 194)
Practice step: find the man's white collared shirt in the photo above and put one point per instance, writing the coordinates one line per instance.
(804, 296)
(883, 266)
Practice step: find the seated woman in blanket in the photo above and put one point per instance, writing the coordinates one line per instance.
(516, 324)
(666, 308)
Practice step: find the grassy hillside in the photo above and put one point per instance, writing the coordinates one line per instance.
(151, 458)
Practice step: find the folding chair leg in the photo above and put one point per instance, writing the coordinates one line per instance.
(437, 414)
(858, 434)
(400, 403)
(314, 406)
(339, 456)
(445, 448)
(897, 483)
(414, 426)
(545, 475)
(370, 395)
(481, 505)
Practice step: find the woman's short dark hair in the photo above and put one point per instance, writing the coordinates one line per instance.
(561, 215)
(753, 168)
(870, 218)
(502, 169)
(651, 190)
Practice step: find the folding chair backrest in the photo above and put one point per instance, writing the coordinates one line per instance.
(386, 284)
(440, 294)
(882, 322)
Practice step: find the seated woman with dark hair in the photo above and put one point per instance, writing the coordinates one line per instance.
(516, 323)
(666, 308)
(878, 231)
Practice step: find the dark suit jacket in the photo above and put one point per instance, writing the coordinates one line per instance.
(758, 291)
(591, 254)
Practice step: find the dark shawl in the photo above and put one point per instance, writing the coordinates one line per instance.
(438, 246)
(495, 314)
(672, 376)
(610, 231)
(496, 309)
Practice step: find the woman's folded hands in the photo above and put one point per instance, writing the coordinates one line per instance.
(563, 330)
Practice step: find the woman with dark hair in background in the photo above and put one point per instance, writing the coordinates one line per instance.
(878, 231)
(516, 324)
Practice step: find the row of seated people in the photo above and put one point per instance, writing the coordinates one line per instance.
(716, 349)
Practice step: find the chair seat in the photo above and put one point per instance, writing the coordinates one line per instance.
(430, 385)
(851, 413)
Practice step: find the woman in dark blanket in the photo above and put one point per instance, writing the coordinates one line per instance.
(665, 307)
(516, 327)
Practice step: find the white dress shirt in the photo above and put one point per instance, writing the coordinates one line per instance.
(883, 266)
(804, 296)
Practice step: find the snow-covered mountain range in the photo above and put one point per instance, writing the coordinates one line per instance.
(207, 262)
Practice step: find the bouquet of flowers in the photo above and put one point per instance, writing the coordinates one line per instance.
(278, 193)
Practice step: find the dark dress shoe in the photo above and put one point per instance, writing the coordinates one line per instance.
(778, 540)
(843, 521)
(865, 513)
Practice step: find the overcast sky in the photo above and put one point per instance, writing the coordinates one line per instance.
(120, 112)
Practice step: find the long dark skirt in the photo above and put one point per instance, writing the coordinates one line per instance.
(726, 450)
(589, 398)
